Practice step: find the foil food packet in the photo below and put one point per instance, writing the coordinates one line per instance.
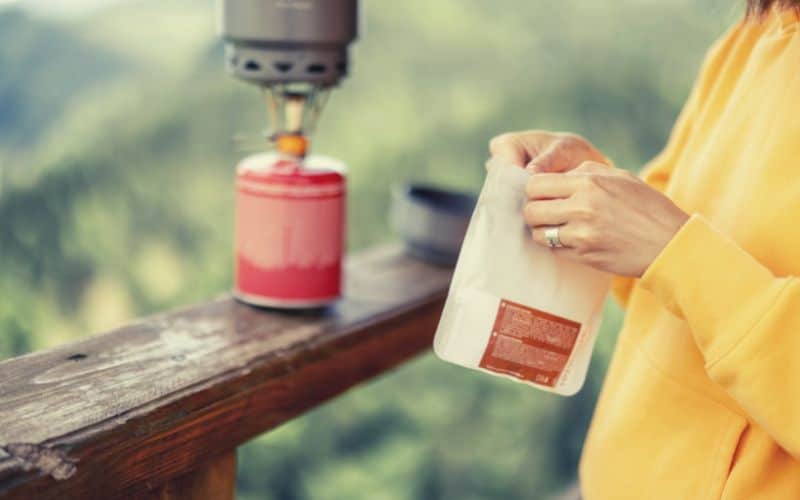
(515, 309)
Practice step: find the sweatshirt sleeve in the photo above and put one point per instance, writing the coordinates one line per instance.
(657, 172)
(745, 320)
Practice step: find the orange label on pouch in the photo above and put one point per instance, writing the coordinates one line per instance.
(529, 344)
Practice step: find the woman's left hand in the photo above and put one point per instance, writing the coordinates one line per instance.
(609, 218)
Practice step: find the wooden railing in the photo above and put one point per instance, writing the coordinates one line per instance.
(156, 409)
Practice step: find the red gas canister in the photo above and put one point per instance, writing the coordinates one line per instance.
(290, 225)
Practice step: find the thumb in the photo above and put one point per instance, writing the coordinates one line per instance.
(509, 148)
(557, 157)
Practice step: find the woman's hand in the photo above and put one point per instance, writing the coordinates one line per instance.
(607, 217)
(545, 151)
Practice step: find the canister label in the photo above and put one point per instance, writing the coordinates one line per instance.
(529, 344)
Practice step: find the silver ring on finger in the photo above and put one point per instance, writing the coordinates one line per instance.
(552, 237)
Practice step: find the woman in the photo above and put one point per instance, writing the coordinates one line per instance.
(702, 398)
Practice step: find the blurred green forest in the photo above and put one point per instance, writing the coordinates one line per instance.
(116, 170)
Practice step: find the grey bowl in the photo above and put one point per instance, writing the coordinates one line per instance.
(431, 221)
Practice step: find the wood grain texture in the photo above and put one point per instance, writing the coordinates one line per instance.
(119, 414)
(215, 480)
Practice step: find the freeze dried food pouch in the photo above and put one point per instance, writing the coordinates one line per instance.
(514, 308)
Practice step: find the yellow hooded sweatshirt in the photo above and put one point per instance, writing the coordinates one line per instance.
(702, 397)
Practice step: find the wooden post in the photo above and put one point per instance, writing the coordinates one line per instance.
(216, 480)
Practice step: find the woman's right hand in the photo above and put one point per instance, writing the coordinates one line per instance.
(545, 151)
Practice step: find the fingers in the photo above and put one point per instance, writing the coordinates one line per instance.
(592, 167)
(509, 147)
(566, 251)
(547, 212)
(565, 235)
(544, 151)
(565, 152)
(553, 186)
(587, 176)
(519, 147)
(560, 156)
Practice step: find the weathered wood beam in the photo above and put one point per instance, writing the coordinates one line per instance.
(121, 414)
